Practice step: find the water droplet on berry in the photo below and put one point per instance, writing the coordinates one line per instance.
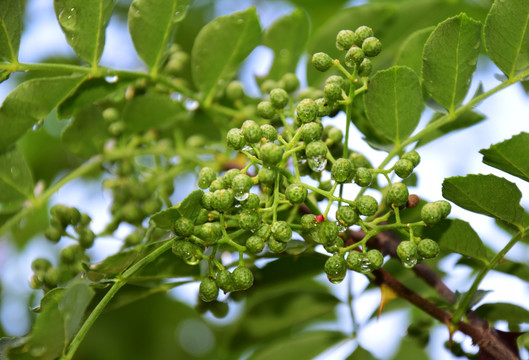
(365, 267)
(191, 105)
(192, 260)
(241, 195)
(409, 262)
(317, 163)
(335, 280)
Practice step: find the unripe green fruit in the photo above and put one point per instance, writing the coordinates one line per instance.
(235, 139)
(186, 251)
(228, 177)
(354, 56)
(310, 131)
(208, 290)
(341, 170)
(321, 61)
(183, 227)
(296, 193)
(407, 252)
(131, 213)
(289, 82)
(151, 206)
(413, 156)
(202, 217)
(255, 244)
(279, 98)
(53, 233)
(269, 132)
(366, 205)
(335, 268)
(397, 194)
(71, 254)
(266, 110)
(445, 207)
(371, 46)
(281, 231)
(110, 114)
(316, 149)
(222, 200)
(264, 231)
(375, 259)
(85, 220)
(363, 177)
(207, 200)
(334, 245)
(40, 264)
(336, 79)
(206, 177)
(208, 232)
(345, 39)
(268, 85)
(51, 278)
(224, 280)
(267, 176)
(431, 214)
(252, 202)
(333, 92)
(403, 168)
(307, 110)
(324, 108)
(251, 131)
(362, 33)
(241, 185)
(308, 222)
(276, 246)
(428, 249)
(359, 161)
(133, 238)
(249, 220)
(217, 184)
(347, 216)
(354, 260)
(365, 68)
(86, 238)
(332, 133)
(242, 278)
(327, 231)
(271, 154)
(234, 90)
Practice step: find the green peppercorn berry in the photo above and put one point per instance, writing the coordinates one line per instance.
(403, 168)
(397, 194)
(227, 179)
(362, 33)
(208, 232)
(241, 185)
(316, 149)
(431, 214)
(413, 156)
(110, 114)
(279, 98)
(363, 177)
(51, 278)
(354, 56)
(276, 246)
(324, 108)
(208, 290)
(207, 200)
(407, 252)
(427, 248)
(296, 193)
(375, 259)
(334, 134)
(234, 90)
(445, 207)
(335, 268)
(365, 67)
(281, 231)
(242, 278)
(359, 160)
(151, 206)
(235, 139)
(252, 202)
(54, 233)
(267, 176)
(86, 237)
(206, 177)
(334, 246)
(371, 46)
(307, 110)
(289, 82)
(134, 238)
(342, 170)
(71, 254)
(336, 79)
(310, 131)
(183, 227)
(255, 244)
(251, 131)
(321, 61)
(345, 39)
(264, 231)
(40, 264)
(268, 85)
(266, 110)
(249, 220)
(224, 280)
(332, 92)
(202, 217)
(347, 216)
(269, 132)
(367, 205)
(85, 220)
(354, 260)
(218, 184)
(271, 154)
(327, 231)
(222, 200)
(308, 222)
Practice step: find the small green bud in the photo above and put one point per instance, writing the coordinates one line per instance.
(341, 170)
(208, 290)
(266, 110)
(269, 132)
(281, 231)
(242, 278)
(289, 82)
(206, 177)
(365, 68)
(279, 98)
(363, 177)
(249, 220)
(271, 154)
(367, 205)
(296, 193)
(251, 131)
(222, 200)
(321, 61)
(431, 214)
(445, 207)
(183, 227)
(413, 156)
(362, 33)
(345, 39)
(335, 268)
(307, 110)
(234, 90)
(375, 259)
(255, 244)
(333, 92)
(347, 216)
(235, 139)
(354, 56)
(397, 194)
(403, 168)
(427, 248)
(371, 46)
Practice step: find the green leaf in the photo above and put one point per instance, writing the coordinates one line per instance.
(164, 219)
(165, 267)
(410, 53)
(114, 264)
(287, 38)
(361, 354)
(219, 49)
(191, 205)
(474, 300)
(458, 236)
(394, 102)
(72, 305)
(449, 60)
(84, 24)
(16, 183)
(10, 29)
(151, 26)
(511, 313)
(306, 345)
(86, 134)
(462, 121)
(510, 156)
(506, 35)
(486, 194)
(30, 102)
(150, 111)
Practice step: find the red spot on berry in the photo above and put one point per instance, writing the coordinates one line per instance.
(319, 218)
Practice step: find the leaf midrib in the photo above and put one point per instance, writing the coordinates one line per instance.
(518, 50)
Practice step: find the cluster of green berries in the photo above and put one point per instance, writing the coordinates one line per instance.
(360, 45)
(64, 216)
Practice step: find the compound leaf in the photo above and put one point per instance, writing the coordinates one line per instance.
(510, 156)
